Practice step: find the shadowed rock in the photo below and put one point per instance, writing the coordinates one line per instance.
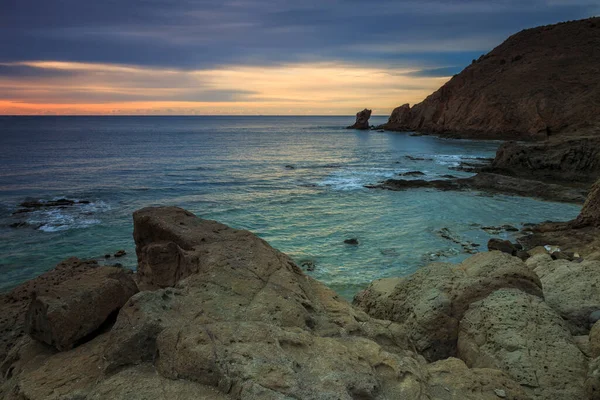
(362, 120)
(538, 83)
(75, 308)
(493, 183)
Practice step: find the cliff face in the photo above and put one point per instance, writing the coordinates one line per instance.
(538, 83)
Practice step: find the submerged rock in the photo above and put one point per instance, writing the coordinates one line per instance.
(362, 120)
(352, 241)
(412, 173)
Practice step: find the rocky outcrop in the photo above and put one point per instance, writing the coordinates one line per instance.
(521, 335)
(431, 302)
(572, 289)
(67, 313)
(590, 213)
(538, 83)
(224, 315)
(493, 183)
(566, 159)
(399, 120)
(362, 120)
(581, 235)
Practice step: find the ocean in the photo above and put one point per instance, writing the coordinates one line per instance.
(297, 182)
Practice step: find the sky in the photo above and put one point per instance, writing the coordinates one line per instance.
(248, 57)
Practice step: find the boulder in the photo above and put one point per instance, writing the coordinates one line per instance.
(75, 308)
(504, 246)
(521, 335)
(14, 304)
(431, 302)
(572, 289)
(362, 120)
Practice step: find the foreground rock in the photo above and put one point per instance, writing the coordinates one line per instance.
(67, 313)
(492, 183)
(227, 316)
(14, 304)
(433, 300)
(362, 120)
(572, 289)
(520, 334)
(538, 83)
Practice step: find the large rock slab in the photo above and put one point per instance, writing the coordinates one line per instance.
(431, 302)
(520, 334)
(70, 311)
(571, 288)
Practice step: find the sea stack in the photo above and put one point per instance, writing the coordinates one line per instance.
(362, 120)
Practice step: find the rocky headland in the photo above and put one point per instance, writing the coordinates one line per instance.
(539, 83)
(216, 313)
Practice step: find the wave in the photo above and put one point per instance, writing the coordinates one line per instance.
(355, 179)
(80, 215)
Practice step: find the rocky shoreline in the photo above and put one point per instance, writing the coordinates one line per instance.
(216, 313)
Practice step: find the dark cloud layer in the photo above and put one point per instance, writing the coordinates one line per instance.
(192, 34)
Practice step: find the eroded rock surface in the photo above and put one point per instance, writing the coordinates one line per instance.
(75, 308)
(227, 316)
(520, 334)
(571, 288)
(14, 304)
(431, 302)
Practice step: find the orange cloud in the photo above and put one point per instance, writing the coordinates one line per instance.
(53, 87)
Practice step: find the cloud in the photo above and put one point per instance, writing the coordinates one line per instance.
(332, 87)
(187, 50)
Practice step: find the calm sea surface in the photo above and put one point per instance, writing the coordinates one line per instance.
(295, 181)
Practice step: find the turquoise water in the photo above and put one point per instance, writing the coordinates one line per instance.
(237, 170)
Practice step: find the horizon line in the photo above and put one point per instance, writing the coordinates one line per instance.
(181, 115)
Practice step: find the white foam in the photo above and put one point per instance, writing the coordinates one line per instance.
(77, 216)
(355, 179)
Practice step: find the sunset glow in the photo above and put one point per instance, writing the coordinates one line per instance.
(318, 88)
